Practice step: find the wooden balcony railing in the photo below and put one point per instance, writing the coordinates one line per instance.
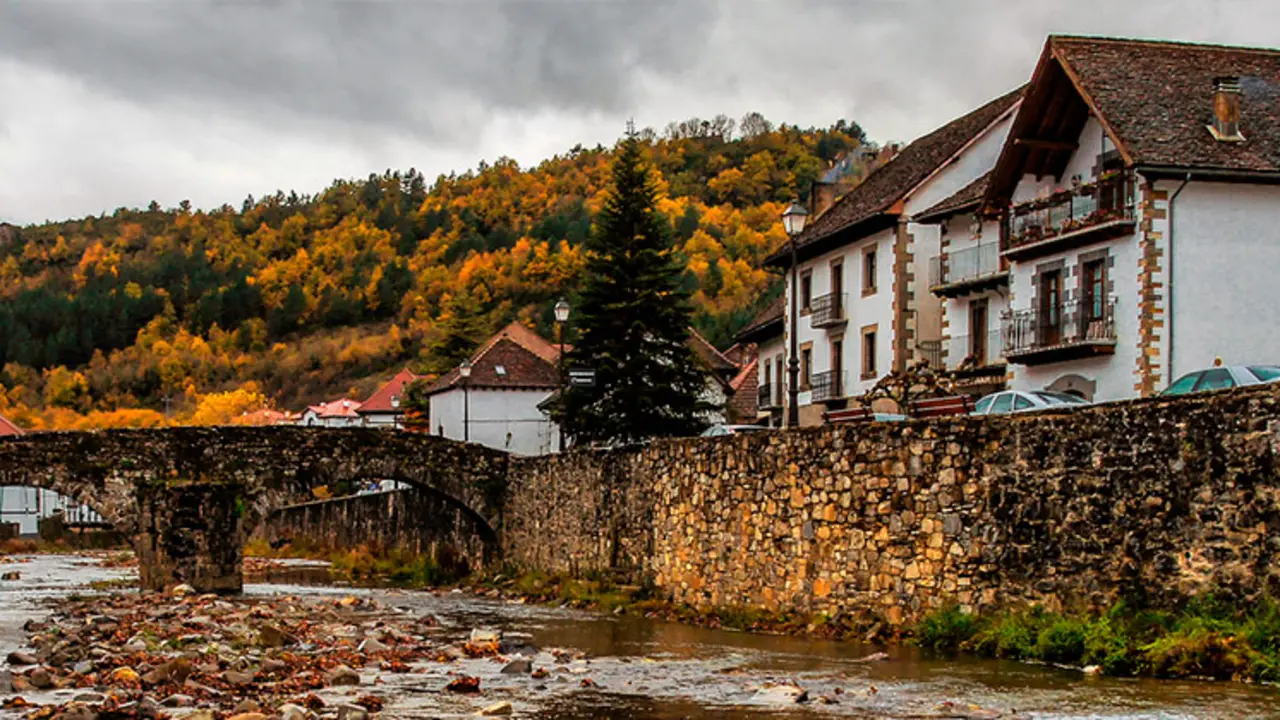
(1079, 216)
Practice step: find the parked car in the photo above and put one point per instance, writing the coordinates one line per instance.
(1017, 401)
(722, 430)
(1220, 378)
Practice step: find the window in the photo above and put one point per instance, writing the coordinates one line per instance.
(984, 405)
(1094, 278)
(768, 372)
(837, 366)
(777, 373)
(1216, 379)
(1265, 373)
(501, 370)
(1184, 384)
(806, 291)
(806, 368)
(869, 271)
(837, 287)
(1050, 320)
(1021, 403)
(978, 332)
(869, 353)
(1003, 404)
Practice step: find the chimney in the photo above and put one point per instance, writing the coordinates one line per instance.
(822, 197)
(1226, 110)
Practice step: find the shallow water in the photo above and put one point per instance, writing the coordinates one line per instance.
(655, 669)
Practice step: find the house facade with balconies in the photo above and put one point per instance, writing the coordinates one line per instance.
(1138, 204)
(861, 283)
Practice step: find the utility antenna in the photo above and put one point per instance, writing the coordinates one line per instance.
(631, 127)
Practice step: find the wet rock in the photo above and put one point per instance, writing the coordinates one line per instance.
(6, 682)
(77, 711)
(373, 645)
(183, 590)
(1092, 669)
(235, 677)
(464, 684)
(84, 667)
(293, 712)
(518, 667)
(246, 706)
(40, 679)
(342, 675)
(199, 715)
(782, 694)
(497, 709)
(22, 658)
(873, 657)
(352, 712)
(11, 575)
(178, 700)
(540, 673)
(272, 636)
(485, 635)
(248, 716)
(89, 697)
(273, 665)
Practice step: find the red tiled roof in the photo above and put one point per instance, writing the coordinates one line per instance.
(742, 403)
(1153, 98)
(890, 183)
(709, 355)
(763, 325)
(504, 364)
(8, 428)
(967, 197)
(381, 400)
(344, 407)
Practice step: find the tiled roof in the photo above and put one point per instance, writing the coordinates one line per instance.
(381, 401)
(742, 403)
(891, 182)
(712, 358)
(1158, 98)
(344, 407)
(504, 364)
(8, 428)
(762, 326)
(965, 198)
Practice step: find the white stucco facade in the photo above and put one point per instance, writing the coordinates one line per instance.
(505, 419)
(772, 373)
(972, 252)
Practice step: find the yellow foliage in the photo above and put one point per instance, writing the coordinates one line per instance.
(226, 408)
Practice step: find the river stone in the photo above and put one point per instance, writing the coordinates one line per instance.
(485, 635)
(234, 677)
(199, 715)
(77, 711)
(270, 665)
(372, 645)
(342, 675)
(40, 679)
(89, 697)
(782, 694)
(246, 706)
(177, 700)
(84, 667)
(11, 575)
(352, 712)
(274, 637)
(22, 658)
(502, 708)
(518, 667)
(290, 711)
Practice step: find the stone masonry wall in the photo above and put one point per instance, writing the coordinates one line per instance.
(1157, 497)
(412, 520)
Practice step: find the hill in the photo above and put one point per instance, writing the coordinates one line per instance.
(299, 297)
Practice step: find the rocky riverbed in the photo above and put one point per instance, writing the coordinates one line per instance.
(295, 652)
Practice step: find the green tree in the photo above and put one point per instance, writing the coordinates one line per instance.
(462, 328)
(633, 322)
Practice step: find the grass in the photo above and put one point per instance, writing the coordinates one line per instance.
(1205, 638)
(369, 563)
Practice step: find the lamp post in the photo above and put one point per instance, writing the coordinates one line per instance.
(562, 317)
(464, 372)
(793, 220)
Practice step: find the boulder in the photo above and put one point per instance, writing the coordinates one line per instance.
(518, 667)
(22, 658)
(342, 675)
(497, 709)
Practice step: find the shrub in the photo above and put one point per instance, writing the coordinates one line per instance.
(946, 629)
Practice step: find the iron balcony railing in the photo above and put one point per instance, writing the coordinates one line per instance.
(975, 263)
(767, 399)
(828, 386)
(1061, 325)
(968, 351)
(931, 352)
(1102, 203)
(827, 310)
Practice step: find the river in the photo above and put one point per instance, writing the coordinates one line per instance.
(654, 669)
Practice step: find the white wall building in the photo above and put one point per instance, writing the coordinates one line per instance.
(335, 413)
(1138, 202)
(865, 308)
(384, 408)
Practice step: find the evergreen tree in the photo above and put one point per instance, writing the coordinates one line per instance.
(632, 323)
(462, 328)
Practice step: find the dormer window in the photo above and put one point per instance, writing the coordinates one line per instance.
(395, 401)
(501, 370)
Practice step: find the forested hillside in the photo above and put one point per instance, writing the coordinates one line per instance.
(112, 319)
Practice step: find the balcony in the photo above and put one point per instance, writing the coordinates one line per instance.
(828, 386)
(828, 311)
(767, 399)
(970, 353)
(1080, 216)
(963, 271)
(1067, 331)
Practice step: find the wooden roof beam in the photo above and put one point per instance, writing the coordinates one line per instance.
(1043, 144)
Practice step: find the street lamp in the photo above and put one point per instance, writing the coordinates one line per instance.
(562, 317)
(793, 220)
(464, 372)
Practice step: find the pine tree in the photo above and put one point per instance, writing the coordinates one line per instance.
(463, 327)
(632, 323)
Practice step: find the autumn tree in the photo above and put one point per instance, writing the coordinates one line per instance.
(462, 329)
(632, 322)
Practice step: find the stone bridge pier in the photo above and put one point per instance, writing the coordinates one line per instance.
(189, 498)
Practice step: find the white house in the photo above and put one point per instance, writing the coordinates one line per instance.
(1138, 196)
(497, 405)
(863, 289)
(335, 413)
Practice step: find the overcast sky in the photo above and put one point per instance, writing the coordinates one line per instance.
(109, 103)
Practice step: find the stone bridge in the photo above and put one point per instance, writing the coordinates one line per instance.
(188, 498)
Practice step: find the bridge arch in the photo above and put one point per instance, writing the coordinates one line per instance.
(188, 498)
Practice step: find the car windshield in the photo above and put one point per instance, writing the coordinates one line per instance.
(1265, 373)
(1057, 398)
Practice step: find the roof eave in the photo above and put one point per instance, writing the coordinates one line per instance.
(1209, 173)
(760, 332)
(847, 235)
(946, 212)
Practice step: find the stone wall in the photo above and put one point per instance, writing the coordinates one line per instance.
(1161, 498)
(412, 520)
